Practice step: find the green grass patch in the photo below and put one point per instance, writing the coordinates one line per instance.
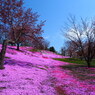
(75, 60)
(7, 57)
(42, 68)
(35, 50)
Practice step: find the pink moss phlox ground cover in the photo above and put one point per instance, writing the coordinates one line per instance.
(72, 85)
(28, 73)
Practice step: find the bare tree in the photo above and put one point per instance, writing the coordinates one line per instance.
(63, 51)
(82, 35)
(45, 44)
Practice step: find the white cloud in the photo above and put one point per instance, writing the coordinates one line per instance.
(46, 37)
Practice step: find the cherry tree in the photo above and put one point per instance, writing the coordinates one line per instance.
(18, 24)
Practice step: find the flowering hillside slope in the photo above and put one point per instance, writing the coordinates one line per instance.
(36, 73)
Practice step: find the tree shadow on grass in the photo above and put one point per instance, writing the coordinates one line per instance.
(82, 72)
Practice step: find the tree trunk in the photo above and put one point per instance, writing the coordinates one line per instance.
(2, 54)
(17, 46)
(88, 63)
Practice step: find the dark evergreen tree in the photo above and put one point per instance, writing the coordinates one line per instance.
(52, 49)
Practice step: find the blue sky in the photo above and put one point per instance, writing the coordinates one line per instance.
(55, 12)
